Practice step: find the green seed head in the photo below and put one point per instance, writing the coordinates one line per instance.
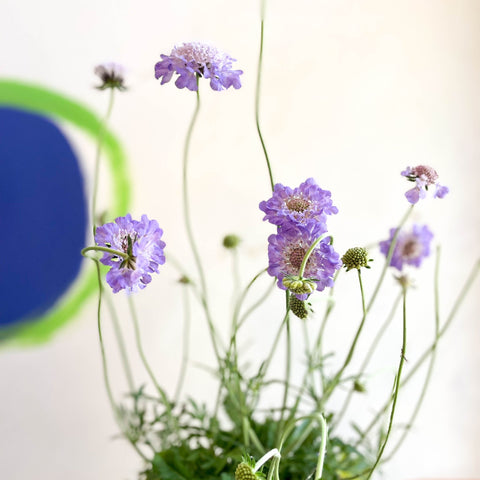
(231, 241)
(356, 257)
(245, 472)
(299, 307)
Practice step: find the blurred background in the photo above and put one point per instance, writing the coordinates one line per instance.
(352, 93)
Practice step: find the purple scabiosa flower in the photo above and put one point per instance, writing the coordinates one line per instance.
(141, 241)
(411, 247)
(112, 75)
(191, 59)
(286, 251)
(423, 176)
(305, 206)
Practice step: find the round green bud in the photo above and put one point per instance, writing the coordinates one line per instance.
(244, 472)
(356, 257)
(231, 241)
(298, 307)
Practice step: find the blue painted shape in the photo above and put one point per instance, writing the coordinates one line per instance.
(43, 216)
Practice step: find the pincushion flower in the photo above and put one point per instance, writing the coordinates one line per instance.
(286, 251)
(411, 247)
(141, 243)
(424, 177)
(306, 206)
(112, 75)
(190, 60)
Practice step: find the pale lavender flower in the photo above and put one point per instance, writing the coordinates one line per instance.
(141, 241)
(112, 75)
(423, 176)
(411, 247)
(306, 206)
(287, 249)
(191, 59)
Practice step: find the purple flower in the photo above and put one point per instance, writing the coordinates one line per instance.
(112, 76)
(191, 59)
(423, 176)
(287, 249)
(306, 206)
(141, 241)
(411, 247)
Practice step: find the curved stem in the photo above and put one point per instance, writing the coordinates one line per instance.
(301, 271)
(397, 384)
(104, 365)
(96, 248)
(257, 96)
(101, 134)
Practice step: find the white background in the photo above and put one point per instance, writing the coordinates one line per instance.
(353, 92)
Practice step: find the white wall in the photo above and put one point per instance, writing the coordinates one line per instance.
(353, 92)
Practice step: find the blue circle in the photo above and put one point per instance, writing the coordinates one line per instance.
(43, 215)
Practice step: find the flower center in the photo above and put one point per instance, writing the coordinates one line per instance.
(427, 172)
(296, 255)
(297, 204)
(411, 249)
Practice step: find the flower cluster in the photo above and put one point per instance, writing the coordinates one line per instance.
(192, 60)
(300, 215)
(423, 176)
(139, 251)
(410, 248)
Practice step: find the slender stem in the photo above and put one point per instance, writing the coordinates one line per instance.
(367, 359)
(186, 344)
(430, 365)
(393, 243)
(106, 380)
(101, 135)
(121, 344)
(138, 341)
(301, 271)
(255, 305)
(188, 225)
(339, 374)
(397, 383)
(257, 95)
(459, 300)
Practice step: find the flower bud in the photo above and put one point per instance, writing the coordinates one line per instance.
(245, 472)
(231, 241)
(299, 307)
(356, 257)
(299, 285)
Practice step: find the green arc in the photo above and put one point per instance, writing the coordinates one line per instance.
(36, 99)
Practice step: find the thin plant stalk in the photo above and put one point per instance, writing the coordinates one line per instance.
(185, 344)
(257, 94)
(397, 384)
(96, 175)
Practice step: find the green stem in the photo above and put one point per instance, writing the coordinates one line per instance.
(96, 248)
(105, 369)
(367, 359)
(186, 345)
(393, 243)
(257, 96)
(101, 135)
(121, 344)
(301, 271)
(188, 226)
(397, 383)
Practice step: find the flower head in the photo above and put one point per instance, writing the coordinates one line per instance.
(356, 257)
(411, 247)
(423, 176)
(141, 243)
(286, 251)
(306, 206)
(112, 76)
(191, 59)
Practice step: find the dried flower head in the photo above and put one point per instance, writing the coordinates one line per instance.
(299, 308)
(192, 60)
(112, 75)
(356, 257)
(411, 247)
(424, 177)
(142, 244)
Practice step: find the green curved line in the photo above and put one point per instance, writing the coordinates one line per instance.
(34, 98)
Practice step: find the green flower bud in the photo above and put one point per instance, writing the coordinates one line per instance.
(299, 307)
(299, 285)
(356, 257)
(359, 387)
(244, 472)
(231, 241)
